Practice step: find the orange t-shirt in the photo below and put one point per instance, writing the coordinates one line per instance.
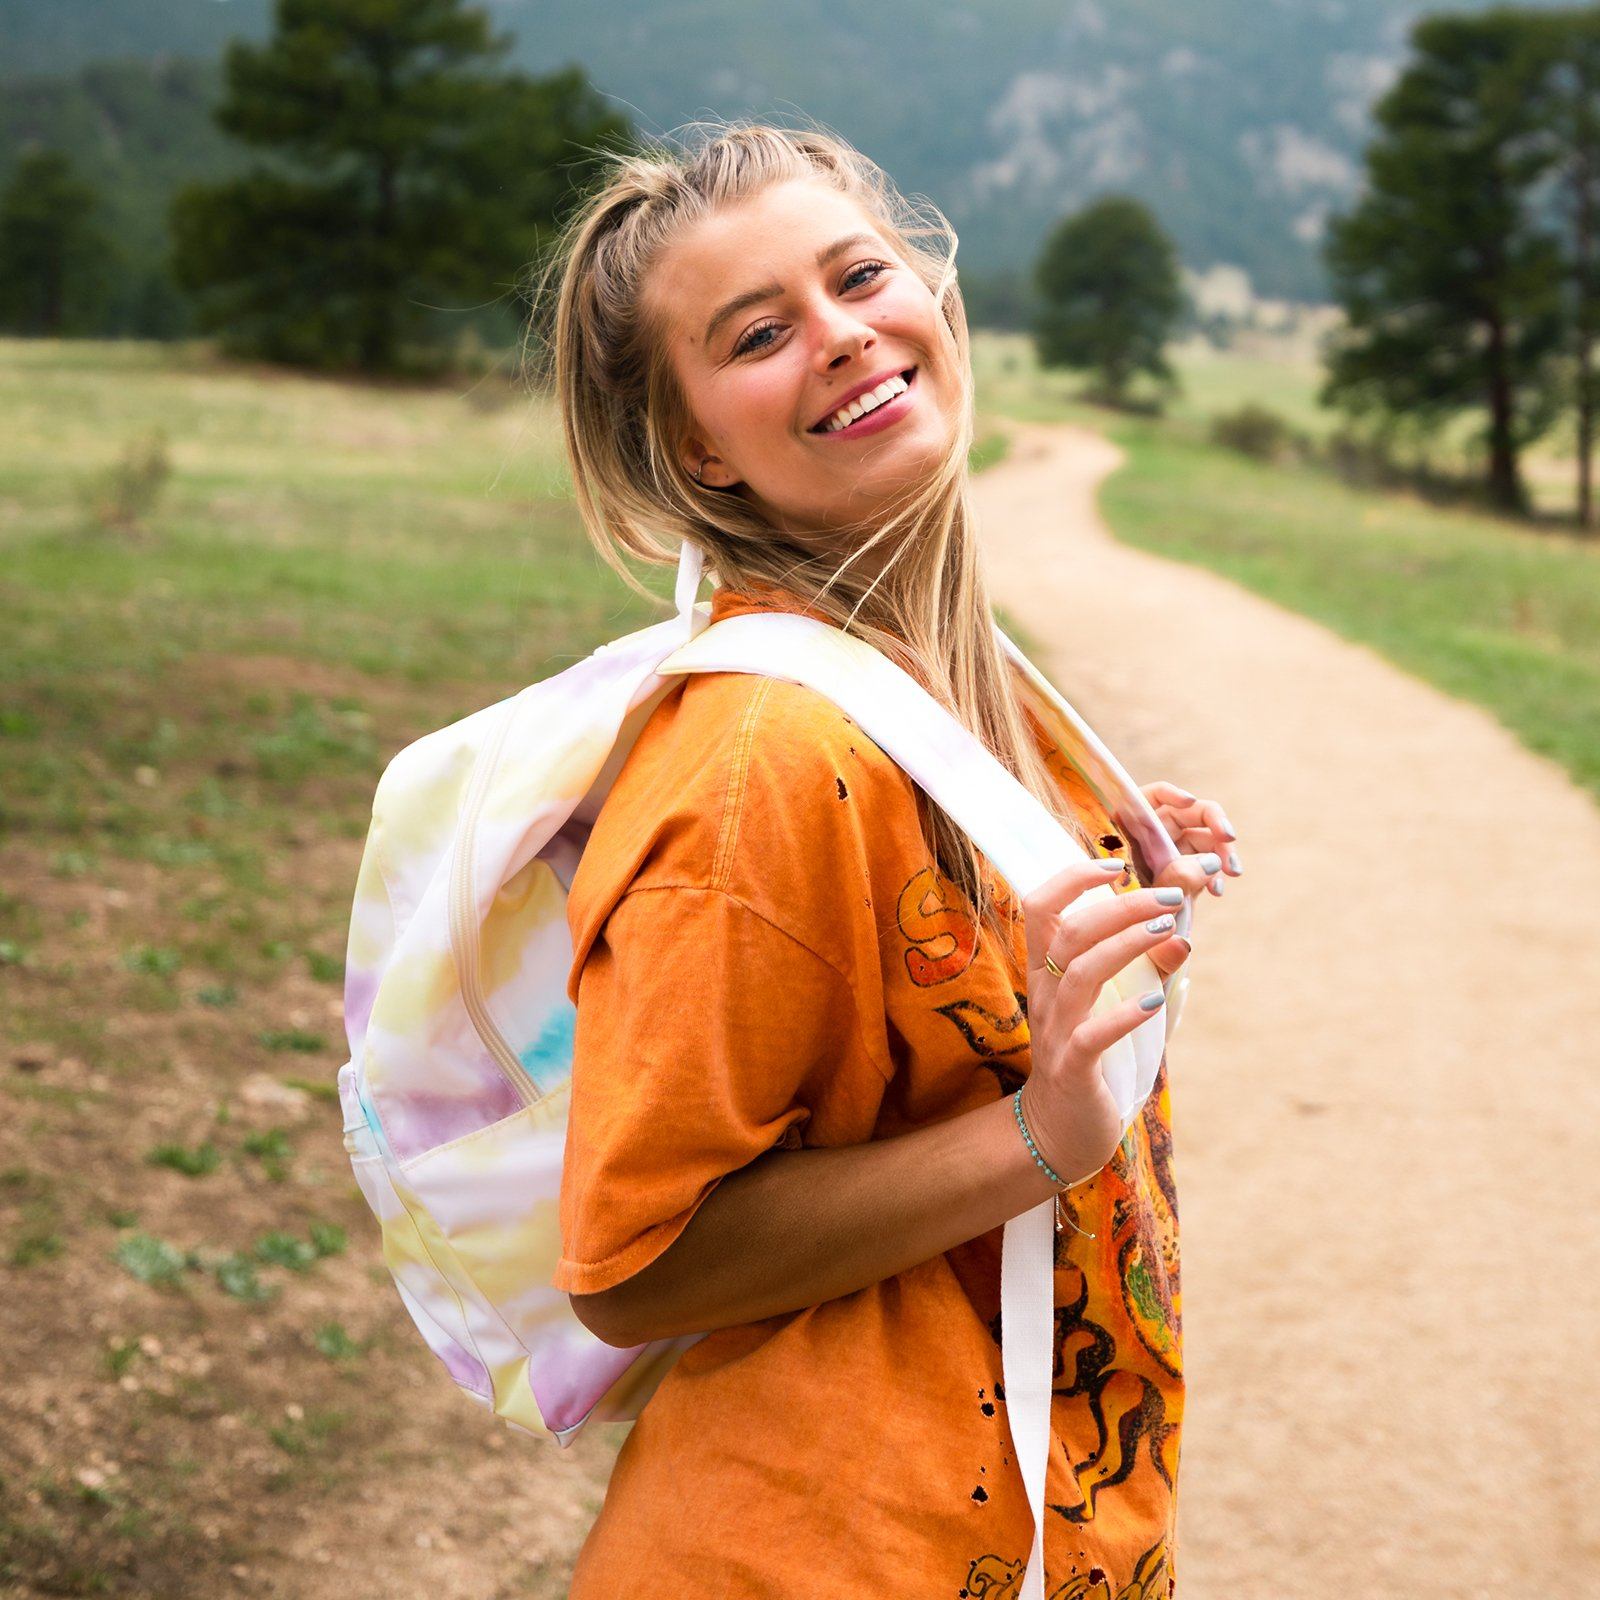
(765, 954)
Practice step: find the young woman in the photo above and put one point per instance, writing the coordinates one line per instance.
(804, 1000)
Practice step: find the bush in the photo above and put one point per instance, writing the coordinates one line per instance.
(1253, 430)
(122, 496)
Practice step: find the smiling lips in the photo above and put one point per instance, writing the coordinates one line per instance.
(887, 408)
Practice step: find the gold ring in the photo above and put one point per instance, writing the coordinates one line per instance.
(1050, 966)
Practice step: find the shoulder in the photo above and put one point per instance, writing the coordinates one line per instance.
(756, 787)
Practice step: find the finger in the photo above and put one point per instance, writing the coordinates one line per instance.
(1191, 873)
(1167, 794)
(1170, 954)
(1098, 1032)
(1082, 932)
(1091, 967)
(1197, 841)
(1041, 910)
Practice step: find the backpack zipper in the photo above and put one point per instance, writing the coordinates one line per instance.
(464, 930)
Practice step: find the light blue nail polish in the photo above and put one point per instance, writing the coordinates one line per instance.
(1159, 925)
(1169, 897)
(1210, 862)
(1148, 1002)
(1233, 863)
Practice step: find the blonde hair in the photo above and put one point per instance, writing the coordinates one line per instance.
(623, 413)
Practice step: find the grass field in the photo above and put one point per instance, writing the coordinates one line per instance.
(205, 1367)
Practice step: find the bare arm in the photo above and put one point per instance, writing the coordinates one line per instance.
(797, 1227)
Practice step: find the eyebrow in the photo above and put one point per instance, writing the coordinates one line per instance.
(767, 291)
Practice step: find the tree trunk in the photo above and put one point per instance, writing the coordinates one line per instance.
(1583, 249)
(1505, 481)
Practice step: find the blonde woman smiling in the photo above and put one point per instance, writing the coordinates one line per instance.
(805, 1002)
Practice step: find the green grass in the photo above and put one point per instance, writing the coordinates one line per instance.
(1492, 610)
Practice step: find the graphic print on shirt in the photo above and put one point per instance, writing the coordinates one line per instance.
(941, 944)
(1111, 1395)
(991, 1578)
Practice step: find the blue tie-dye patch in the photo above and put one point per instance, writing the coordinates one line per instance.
(548, 1060)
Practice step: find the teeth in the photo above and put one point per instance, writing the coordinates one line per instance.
(862, 404)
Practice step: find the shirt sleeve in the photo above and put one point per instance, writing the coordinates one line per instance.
(704, 1036)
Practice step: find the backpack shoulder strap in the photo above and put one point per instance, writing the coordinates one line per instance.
(1025, 843)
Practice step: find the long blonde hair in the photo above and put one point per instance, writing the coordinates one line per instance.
(622, 412)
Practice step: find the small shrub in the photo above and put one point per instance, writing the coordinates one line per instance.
(36, 1245)
(158, 959)
(1253, 430)
(196, 1163)
(118, 1356)
(236, 1275)
(151, 1260)
(328, 1238)
(293, 1039)
(337, 1345)
(122, 496)
(274, 1150)
(281, 1249)
(325, 969)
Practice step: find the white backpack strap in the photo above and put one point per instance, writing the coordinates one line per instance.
(1027, 845)
(691, 562)
(1027, 1360)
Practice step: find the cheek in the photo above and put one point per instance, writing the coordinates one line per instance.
(766, 398)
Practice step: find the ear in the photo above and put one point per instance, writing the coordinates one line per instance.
(714, 474)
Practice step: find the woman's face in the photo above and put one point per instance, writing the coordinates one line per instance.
(780, 309)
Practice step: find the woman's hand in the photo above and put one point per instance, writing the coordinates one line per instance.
(1199, 828)
(1070, 1112)
(1196, 827)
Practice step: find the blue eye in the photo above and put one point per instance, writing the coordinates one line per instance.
(747, 344)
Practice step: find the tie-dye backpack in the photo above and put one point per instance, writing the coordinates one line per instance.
(455, 1096)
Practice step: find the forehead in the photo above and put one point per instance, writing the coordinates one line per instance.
(773, 237)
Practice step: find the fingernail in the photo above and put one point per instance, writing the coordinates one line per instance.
(1184, 793)
(1188, 949)
(1148, 1002)
(1233, 863)
(1169, 897)
(1210, 862)
(1112, 863)
(1227, 828)
(1215, 886)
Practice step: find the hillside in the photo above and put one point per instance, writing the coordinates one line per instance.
(1241, 122)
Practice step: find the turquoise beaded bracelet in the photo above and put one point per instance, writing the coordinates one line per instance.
(1049, 1171)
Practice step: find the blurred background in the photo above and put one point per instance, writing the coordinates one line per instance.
(275, 499)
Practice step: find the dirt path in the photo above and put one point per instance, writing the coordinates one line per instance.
(1386, 1084)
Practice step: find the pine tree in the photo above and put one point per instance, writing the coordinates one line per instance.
(1108, 278)
(1564, 104)
(403, 170)
(1452, 296)
(53, 253)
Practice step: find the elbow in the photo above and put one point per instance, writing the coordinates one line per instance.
(602, 1315)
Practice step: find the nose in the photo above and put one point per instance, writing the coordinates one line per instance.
(844, 336)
